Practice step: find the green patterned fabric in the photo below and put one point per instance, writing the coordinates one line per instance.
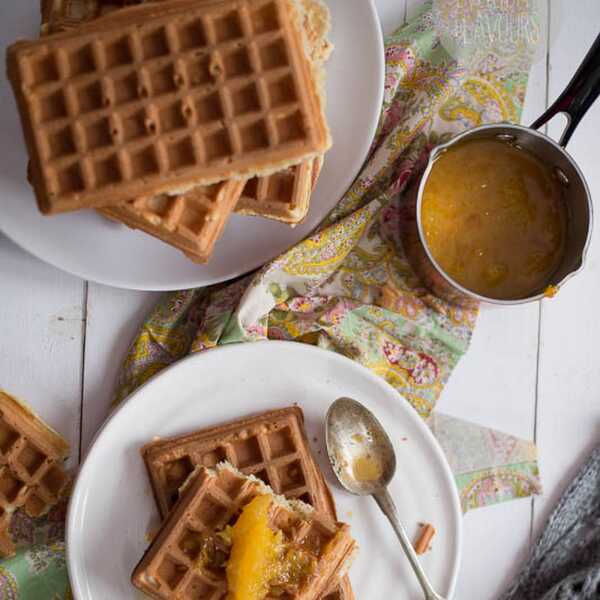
(38, 571)
(348, 288)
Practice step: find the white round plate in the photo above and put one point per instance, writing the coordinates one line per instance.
(112, 508)
(87, 245)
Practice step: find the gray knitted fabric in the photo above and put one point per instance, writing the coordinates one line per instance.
(565, 562)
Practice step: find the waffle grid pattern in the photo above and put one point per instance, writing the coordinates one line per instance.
(192, 223)
(271, 446)
(284, 195)
(31, 474)
(172, 567)
(201, 90)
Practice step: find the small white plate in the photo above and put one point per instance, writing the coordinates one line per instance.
(93, 248)
(112, 508)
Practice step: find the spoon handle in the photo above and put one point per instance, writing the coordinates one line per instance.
(386, 504)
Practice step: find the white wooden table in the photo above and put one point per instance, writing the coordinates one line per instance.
(532, 371)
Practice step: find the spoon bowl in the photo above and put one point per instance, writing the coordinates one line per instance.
(361, 452)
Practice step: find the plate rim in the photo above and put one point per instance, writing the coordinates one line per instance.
(190, 282)
(76, 498)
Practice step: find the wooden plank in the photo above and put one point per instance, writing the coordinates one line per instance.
(391, 14)
(486, 572)
(412, 7)
(494, 386)
(41, 331)
(113, 318)
(569, 376)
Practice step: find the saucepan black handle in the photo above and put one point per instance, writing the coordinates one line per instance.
(579, 96)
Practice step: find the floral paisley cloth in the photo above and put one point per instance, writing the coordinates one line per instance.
(38, 571)
(349, 289)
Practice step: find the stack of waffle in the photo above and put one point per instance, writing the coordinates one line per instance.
(186, 561)
(170, 115)
(271, 448)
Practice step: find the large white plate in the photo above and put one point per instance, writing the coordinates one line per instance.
(87, 245)
(112, 508)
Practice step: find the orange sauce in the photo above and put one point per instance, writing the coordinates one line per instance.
(366, 468)
(494, 219)
(254, 552)
(262, 563)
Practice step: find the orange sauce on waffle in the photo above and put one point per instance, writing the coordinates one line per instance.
(254, 553)
(261, 563)
(494, 219)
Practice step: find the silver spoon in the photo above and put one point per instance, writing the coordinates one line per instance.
(363, 459)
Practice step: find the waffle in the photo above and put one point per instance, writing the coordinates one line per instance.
(31, 473)
(271, 446)
(283, 196)
(175, 565)
(192, 222)
(268, 446)
(166, 96)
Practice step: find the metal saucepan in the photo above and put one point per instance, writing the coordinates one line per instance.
(575, 101)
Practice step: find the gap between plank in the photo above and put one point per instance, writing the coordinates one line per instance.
(541, 302)
(84, 315)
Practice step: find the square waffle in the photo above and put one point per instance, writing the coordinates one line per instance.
(271, 446)
(31, 473)
(283, 196)
(162, 97)
(175, 565)
(192, 222)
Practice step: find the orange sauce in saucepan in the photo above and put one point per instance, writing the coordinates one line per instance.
(494, 218)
